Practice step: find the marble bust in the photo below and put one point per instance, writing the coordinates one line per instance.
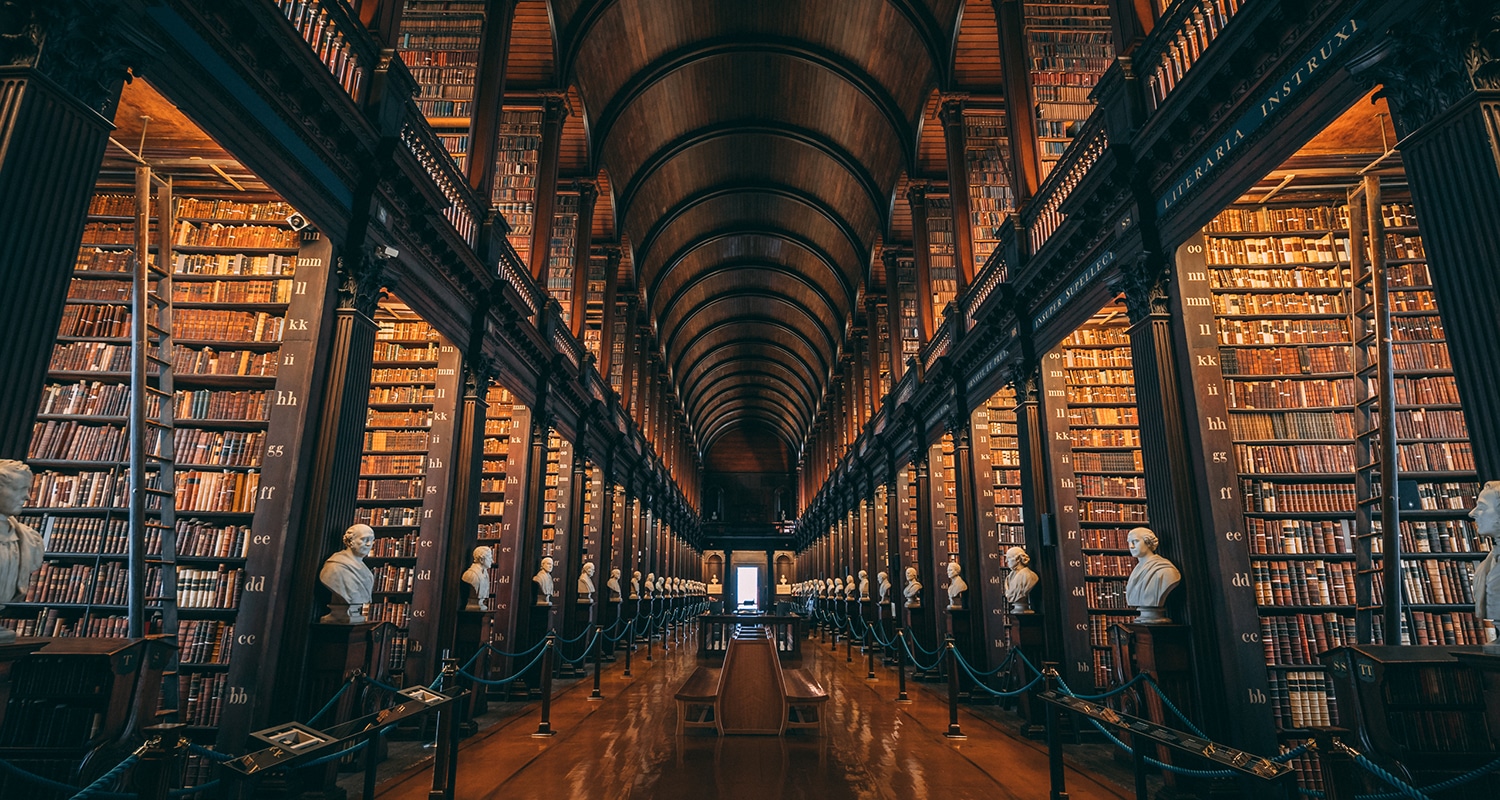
(850, 588)
(586, 583)
(913, 589)
(714, 587)
(20, 547)
(1486, 516)
(477, 576)
(1153, 578)
(883, 584)
(1021, 581)
(348, 579)
(782, 587)
(650, 585)
(956, 586)
(635, 585)
(864, 585)
(543, 582)
(613, 584)
(661, 585)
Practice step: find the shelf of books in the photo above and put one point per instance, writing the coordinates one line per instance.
(1098, 483)
(439, 43)
(945, 534)
(1277, 282)
(881, 540)
(997, 476)
(911, 322)
(593, 309)
(235, 273)
(557, 478)
(515, 174)
(501, 503)
(1068, 47)
(562, 258)
(403, 486)
(991, 198)
(880, 330)
(943, 265)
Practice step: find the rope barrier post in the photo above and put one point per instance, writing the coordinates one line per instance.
(598, 656)
(954, 731)
(160, 759)
(849, 646)
(650, 635)
(372, 757)
(544, 728)
(901, 666)
(833, 631)
(1138, 745)
(869, 656)
(1054, 736)
(442, 766)
(1336, 763)
(629, 644)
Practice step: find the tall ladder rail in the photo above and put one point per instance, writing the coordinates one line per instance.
(1377, 517)
(153, 514)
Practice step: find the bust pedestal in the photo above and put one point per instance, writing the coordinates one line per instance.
(334, 652)
(1163, 651)
(609, 617)
(473, 633)
(1029, 638)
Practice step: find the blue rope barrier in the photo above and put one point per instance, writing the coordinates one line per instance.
(1451, 783)
(524, 653)
(1197, 773)
(918, 664)
(96, 789)
(382, 685)
(332, 701)
(577, 638)
(188, 791)
(211, 755)
(585, 654)
(912, 640)
(978, 681)
(1139, 678)
(517, 674)
(1166, 701)
(56, 786)
(1403, 789)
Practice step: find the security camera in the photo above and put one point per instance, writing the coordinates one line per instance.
(296, 221)
(389, 252)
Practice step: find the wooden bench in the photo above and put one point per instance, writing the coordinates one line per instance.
(697, 699)
(752, 694)
(804, 698)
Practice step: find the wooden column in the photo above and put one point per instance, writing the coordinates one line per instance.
(979, 597)
(575, 617)
(489, 96)
(53, 143)
(611, 313)
(872, 354)
(627, 561)
(954, 141)
(335, 458)
(554, 110)
(467, 458)
(1020, 114)
(924, 620)
(588, 193)
(893, 316)
(534, 491)
(1129, 22)
(916, 196)
(1449, 136)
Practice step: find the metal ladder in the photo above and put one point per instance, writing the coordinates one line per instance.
(153, 511)
(1377, 525)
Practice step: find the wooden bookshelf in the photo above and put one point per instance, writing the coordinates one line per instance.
(911, 323)
(1068, 46)
(439, 42)
(403, 483)
(515, 174)
(501, 506)
(1270, 285)
(991, 198)
(240, 284)
(997, 471)
(943, 264)
(1099, 485)
(593, 309)
(562, 259)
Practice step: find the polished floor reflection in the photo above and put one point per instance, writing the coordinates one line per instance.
(625, 747)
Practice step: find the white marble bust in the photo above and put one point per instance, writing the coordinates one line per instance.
(21, 547)
(1021, 581)
(1486, 516)
(477, 576)
(956, 586)
(586, 583)
(635, 585)
(1153, 578)
(714, 587)
(661, 585)
(613, 584)
(864, 585)
(851, 589)
(883, 584)
(650, 585)
(543, 582)
(347, 577)
(913, 589)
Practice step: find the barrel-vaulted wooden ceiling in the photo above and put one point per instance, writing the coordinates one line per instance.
(754, 150)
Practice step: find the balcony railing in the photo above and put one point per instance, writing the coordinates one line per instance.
(1044, 216)
(1179, 40)
(331, 31)
(462, 211)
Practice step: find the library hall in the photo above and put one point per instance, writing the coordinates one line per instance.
(750, 399)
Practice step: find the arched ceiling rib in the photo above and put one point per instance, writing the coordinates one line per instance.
(752, 149)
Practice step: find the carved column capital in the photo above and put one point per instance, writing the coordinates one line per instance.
(1437, 58)
(360, 281)
(1144, 284)
(80, 44)
(916, 194)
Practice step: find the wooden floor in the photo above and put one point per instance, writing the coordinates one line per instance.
(625, 747)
